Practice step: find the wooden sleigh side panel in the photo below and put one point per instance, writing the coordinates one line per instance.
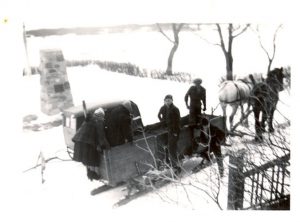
(121, 163)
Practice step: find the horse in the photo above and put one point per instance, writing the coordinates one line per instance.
(265, 97)
(236, 93)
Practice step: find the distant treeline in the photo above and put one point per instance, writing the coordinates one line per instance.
(95, 30)
(126, 68)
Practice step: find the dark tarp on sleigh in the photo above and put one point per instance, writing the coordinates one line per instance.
(129, 160)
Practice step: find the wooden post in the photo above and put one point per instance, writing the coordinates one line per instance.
(84, 109)
(27, 68)
(236, 181)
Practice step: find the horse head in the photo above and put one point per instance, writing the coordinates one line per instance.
(275, 79)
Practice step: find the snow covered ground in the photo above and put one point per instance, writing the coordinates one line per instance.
(65, 195)
(66, 192)
(67, 189)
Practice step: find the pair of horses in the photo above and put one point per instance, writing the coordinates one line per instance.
(262, 94)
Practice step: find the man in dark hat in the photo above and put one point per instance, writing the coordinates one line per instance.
(173, 126)
(162, 114)
(197, 96)
(209, 141)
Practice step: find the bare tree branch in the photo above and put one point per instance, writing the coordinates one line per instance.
(241, 31)
(179, 27)
(204, 39)
(270, 58)
(221, 38)
(46, 161)
(164, 34)
(261, 44)
(274, 40)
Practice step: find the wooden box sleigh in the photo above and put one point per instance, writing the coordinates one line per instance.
(124, 162)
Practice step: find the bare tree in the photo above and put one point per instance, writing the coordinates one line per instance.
(176, 29)
(269, 54)
(232, 33)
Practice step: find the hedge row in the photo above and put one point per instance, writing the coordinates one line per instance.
(177, 76)
(131, 69)
(127, 68)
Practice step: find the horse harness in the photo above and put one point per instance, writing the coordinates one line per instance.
(238, 91)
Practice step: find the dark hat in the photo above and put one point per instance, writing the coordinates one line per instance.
(204, 121)
(169, 97)
(197, 80)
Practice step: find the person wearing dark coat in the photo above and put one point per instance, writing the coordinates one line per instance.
(209, 141)
(162, 114)
(118, 124)
(197, 96)
(173, 127)
(89, 140)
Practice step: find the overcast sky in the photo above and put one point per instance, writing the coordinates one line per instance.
(65, 13)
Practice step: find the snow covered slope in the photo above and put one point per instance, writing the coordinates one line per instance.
(65, 194)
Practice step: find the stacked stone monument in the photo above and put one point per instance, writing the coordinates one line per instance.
(55, 88)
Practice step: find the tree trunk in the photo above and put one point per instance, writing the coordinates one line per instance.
(229, 60)
(176, 30)
(229, 67)
(170, 59)
(232, 33)
(27, 69)
(269, 66)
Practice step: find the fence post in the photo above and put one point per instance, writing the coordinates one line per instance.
(236, 181)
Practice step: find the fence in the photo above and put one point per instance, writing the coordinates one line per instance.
(264, 187)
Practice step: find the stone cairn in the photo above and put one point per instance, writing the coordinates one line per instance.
(55, 87)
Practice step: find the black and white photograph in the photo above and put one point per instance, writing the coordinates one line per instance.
(150, 108)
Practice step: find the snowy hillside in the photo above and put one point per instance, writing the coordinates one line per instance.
(67, 189)
(65, 194)
(66, 186)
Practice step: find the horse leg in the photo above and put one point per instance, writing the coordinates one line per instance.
(246, 122)
(242, 113)
(248, 106)
(270, 119)
(243, 120)
(258, 132)
(234, 109)
(223, 105)
(265, 117)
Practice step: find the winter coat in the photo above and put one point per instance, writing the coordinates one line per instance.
(173, 119)
(118, 126)
(196, 96)
(89, 140)
(162, 114)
